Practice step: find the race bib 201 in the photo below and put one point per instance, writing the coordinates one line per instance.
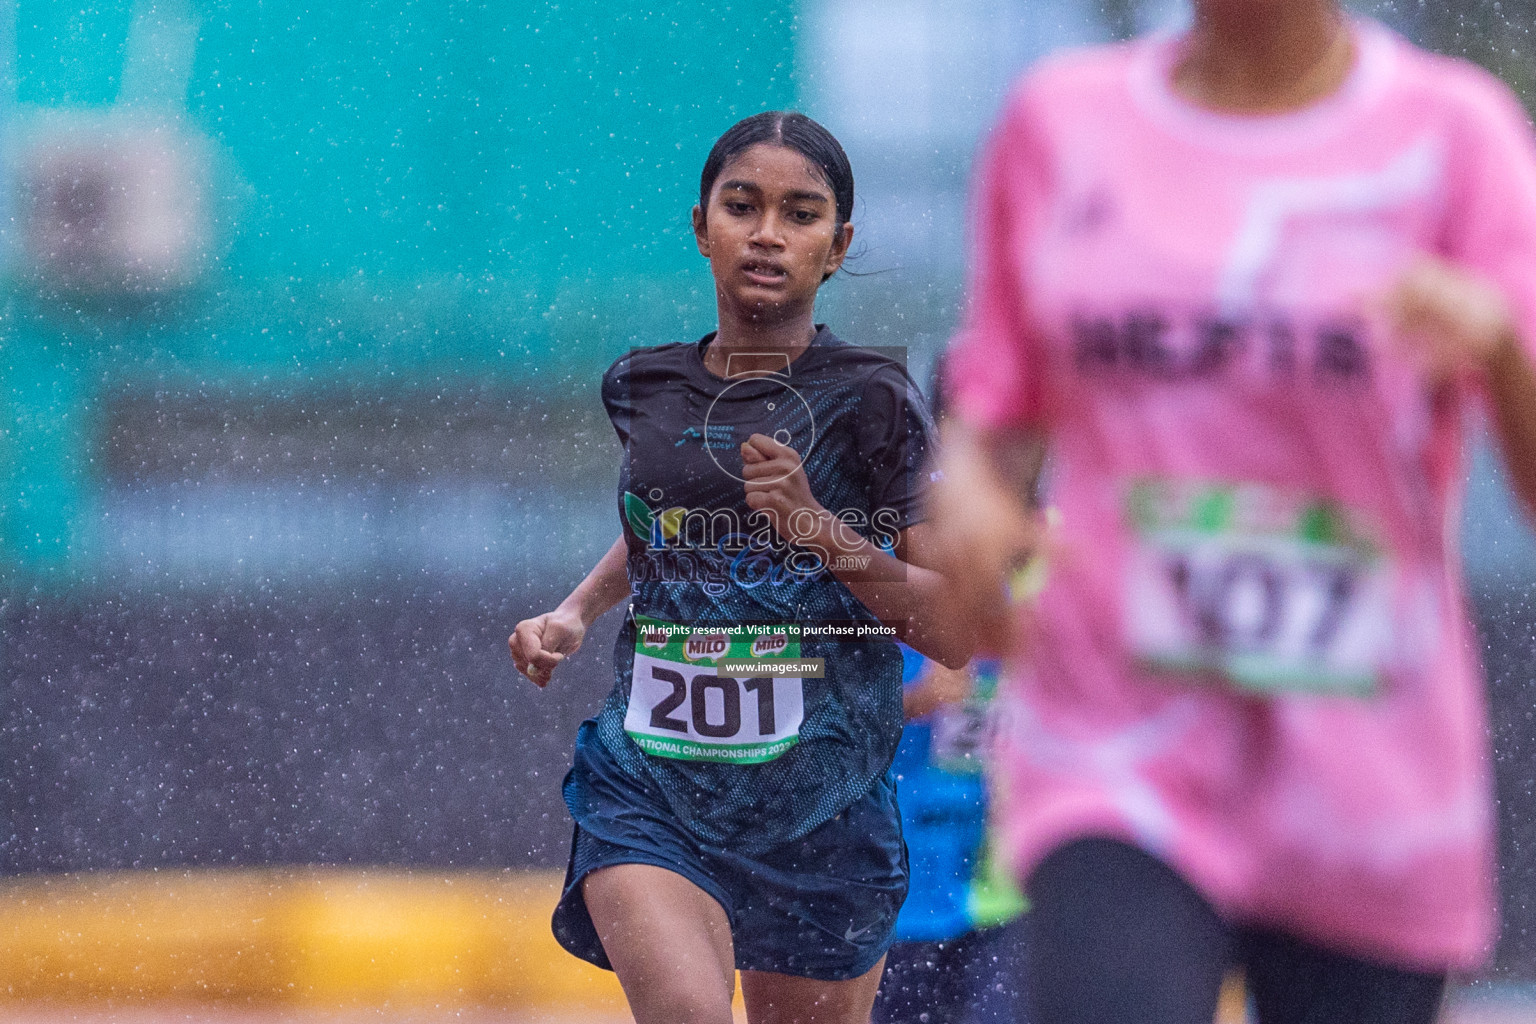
(681, 707)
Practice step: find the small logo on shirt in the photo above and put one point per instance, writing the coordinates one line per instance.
(852, 937)
(1090, 213)
(713, 435)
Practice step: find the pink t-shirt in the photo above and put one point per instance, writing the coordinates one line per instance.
(1252, 657)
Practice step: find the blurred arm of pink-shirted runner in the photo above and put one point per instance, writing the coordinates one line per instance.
(1489, 240)
(994, 444)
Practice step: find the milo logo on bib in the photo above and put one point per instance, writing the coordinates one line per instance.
(1273, 590)
(680, 708)
(770, 646)
(706, 647)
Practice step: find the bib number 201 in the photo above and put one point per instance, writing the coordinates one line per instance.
(693, 714)
(695, 694)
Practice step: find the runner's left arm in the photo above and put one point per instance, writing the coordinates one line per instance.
(1467, 310)
(1512, 385)
(900, 589)
(1453, 320)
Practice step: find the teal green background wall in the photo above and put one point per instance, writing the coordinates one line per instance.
(404, 193)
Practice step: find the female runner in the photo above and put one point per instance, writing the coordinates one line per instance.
(769, 496)
(1242, 287)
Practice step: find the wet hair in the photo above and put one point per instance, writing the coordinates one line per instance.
(794, 131)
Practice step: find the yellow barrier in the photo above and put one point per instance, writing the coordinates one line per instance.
(315, 937)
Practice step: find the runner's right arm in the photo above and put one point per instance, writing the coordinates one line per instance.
(544, 641)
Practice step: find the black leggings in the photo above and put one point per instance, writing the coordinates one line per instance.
(1116, 935)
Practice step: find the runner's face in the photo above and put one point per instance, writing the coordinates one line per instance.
(770, 233)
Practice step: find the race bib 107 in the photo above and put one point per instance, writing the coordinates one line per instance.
(1273, 591)
(681, 707)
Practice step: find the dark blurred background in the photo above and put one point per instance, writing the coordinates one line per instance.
(302, 314)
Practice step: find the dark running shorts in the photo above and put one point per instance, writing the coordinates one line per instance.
(823, 906)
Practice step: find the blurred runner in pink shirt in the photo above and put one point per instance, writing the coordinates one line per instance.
(1244, 287)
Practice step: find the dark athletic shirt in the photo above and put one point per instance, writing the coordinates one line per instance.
(863, 430)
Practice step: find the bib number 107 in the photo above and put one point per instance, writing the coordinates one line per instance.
(1246, 601)
(1270, 617)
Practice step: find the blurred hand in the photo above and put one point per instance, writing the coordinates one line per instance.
(935, 688)
(776, 482)
(1448, 318)
(984, 535)
(541, 643)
